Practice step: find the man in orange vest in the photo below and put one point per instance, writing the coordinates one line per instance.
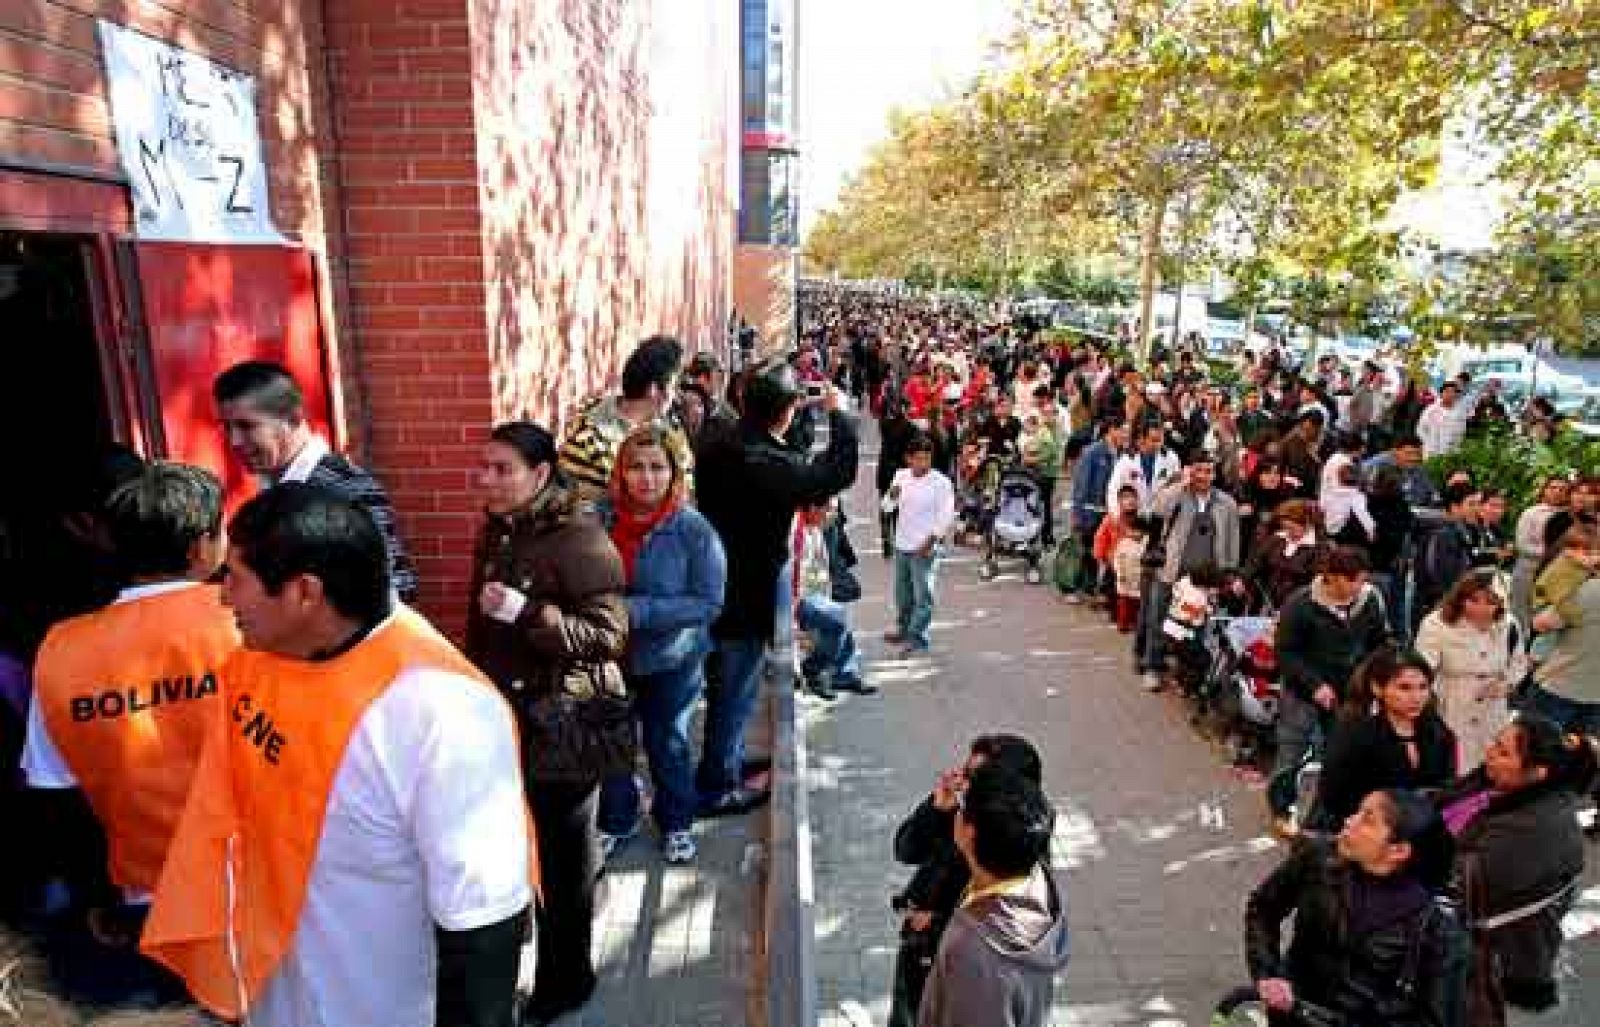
(356, 848)
(123, 701)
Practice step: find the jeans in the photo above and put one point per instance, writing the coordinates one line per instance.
(833, 644)
(1299, 734)
(728, 710)
(1048, 534)
(664, 704)
(1573, 715)
(914, 579)
(1149, 646)
(1086, 582)
(569, 860)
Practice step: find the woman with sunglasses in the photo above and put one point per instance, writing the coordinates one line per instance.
(1478, 659)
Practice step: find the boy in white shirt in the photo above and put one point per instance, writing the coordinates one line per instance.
(927, 508)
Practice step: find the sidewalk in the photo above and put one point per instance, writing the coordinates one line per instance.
(1159, 844)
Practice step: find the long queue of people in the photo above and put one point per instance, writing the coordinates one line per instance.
(262, 782)
(1437, 671)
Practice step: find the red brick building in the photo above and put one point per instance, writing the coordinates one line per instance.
(480, 205)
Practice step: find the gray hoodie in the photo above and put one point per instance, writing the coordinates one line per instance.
(999, 958)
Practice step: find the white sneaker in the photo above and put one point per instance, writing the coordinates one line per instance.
(1150, 681)
(1073, 599)
(679, 847)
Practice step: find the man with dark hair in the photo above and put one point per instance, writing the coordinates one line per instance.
(263, 415)
(370, 776)
(1443, 423)
(649, 389)
(1447, 552)
(925, 511)
(1405, 456)
(1091, 478)
(123, 699)
(750, 486)
(1324, 632)
(926, 840)
(1007, 942)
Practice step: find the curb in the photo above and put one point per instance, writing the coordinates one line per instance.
(788, 938)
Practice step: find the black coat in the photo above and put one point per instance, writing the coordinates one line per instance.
(1524, 846)
(926, 841)
(1330, 965)
(1316, 646)
(1447, 555)
(1365, 755)
(749, 488)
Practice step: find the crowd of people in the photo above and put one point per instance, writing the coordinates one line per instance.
(265, 783)
(1438, 668)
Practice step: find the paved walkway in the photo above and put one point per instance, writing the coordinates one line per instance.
(676, 946)
(1159, 842)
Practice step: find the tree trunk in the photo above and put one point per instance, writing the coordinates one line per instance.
(1149, 253)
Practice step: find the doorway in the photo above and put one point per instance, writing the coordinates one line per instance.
(53, 393)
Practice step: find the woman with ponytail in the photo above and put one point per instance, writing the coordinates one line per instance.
(1520, 854)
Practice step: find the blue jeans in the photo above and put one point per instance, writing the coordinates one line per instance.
(664, 704)
(728, 710)
(1570, 714)
(914, 579)
(1149, 648)
(833, 647)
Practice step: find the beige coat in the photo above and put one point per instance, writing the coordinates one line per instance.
(1476, 671)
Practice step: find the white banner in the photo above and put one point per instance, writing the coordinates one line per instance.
(188, 138)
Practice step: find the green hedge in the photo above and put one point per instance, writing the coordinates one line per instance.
(1517, 464)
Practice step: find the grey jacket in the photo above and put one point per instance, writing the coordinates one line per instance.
(999, 958)
(1176, 506)
(1572, 671)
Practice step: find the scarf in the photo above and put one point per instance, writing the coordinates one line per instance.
(631, 529)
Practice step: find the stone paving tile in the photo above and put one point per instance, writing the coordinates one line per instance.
(1158, 841)
(676, 946)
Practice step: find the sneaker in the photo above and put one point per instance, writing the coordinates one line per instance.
(1073, 598)
(679, 847)
(894, 637)
(736, 802)
(1150, 681)
(821, 686)
(856, 685)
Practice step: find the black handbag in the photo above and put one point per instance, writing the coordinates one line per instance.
(571, 738)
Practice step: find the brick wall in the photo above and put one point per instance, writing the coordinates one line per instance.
(400, 72)
(605, 130)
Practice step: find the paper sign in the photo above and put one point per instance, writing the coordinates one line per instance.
(189, 141)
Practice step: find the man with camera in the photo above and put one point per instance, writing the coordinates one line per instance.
(750, 485)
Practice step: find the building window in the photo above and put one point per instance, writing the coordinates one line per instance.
(768, 211)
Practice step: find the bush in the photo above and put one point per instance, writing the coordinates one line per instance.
(1517, 465)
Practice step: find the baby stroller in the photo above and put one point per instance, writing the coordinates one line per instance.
(1250, 688)
(1013, 516)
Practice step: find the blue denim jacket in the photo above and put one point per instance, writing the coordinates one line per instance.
(676, 592)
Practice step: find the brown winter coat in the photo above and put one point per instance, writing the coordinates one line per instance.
(556, 556)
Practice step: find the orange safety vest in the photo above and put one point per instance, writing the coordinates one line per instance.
(230, 895)
(128, 694)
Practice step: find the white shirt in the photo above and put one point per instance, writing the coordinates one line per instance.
(1330, 475)
(426, 825)
(42, 763)
(306, 460)
(927, 508)
(1129, 470)
(1441, 430)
